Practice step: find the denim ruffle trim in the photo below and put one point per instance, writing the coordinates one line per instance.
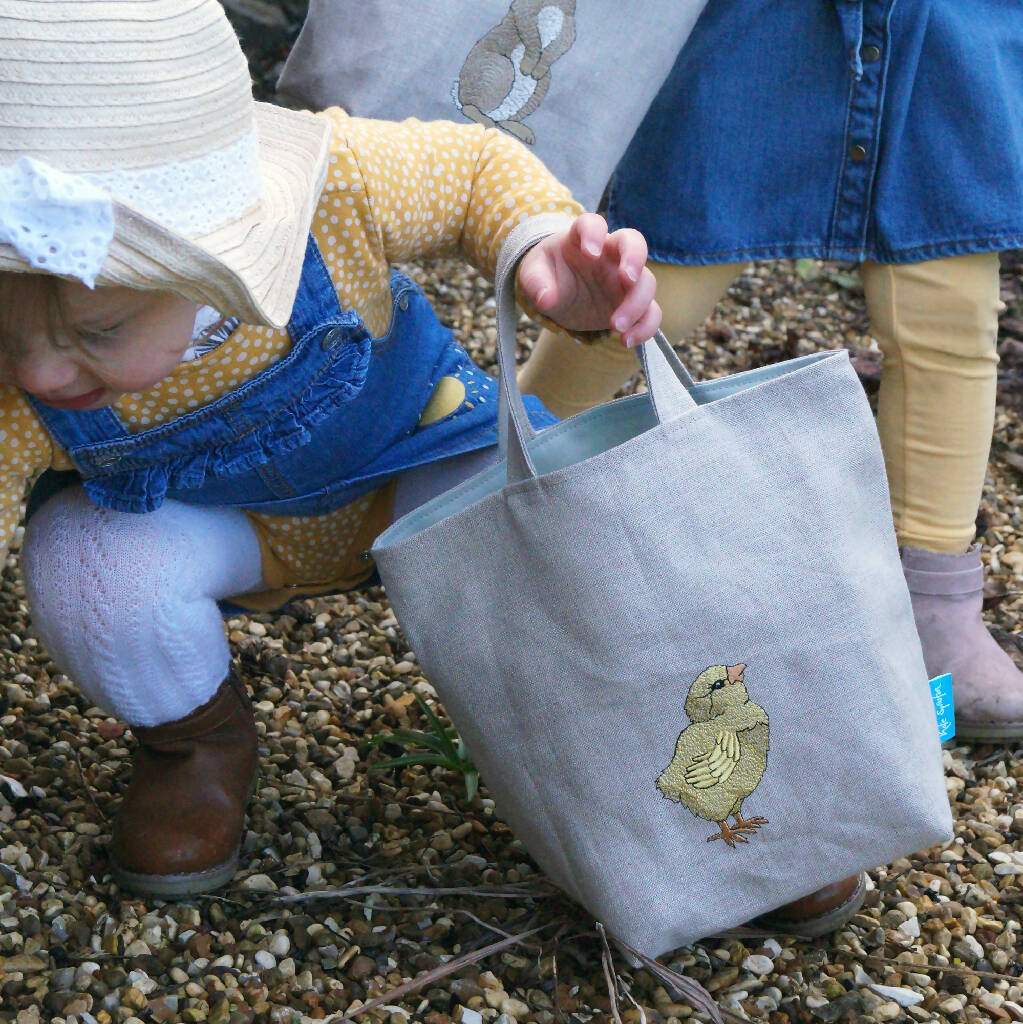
(143, 489)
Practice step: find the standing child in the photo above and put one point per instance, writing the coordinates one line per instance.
(883, 131)
(198, 318)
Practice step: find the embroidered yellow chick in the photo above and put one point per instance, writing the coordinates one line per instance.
(719, 759)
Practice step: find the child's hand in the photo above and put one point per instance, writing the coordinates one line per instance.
(588, 280)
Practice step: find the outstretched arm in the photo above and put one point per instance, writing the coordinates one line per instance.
(419, 189)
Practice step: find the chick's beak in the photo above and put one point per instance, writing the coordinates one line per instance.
(735, 673)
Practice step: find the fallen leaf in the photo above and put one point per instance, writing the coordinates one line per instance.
(845, 280)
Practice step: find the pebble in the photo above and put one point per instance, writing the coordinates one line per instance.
(260, 882)
(264, 959)
(899, 996)
(442, 841)
(758, 964)
(887, 1011)
(163, 1010)
(83, 973)
(141, 981)
(968, 949)
(25, 963)
(63, 978)
(514, 1008)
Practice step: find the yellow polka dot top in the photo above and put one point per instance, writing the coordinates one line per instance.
(394, 192)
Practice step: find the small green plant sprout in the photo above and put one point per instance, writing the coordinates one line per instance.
(440, 746)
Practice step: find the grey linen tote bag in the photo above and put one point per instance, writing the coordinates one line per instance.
(674, 633)
(549, 72)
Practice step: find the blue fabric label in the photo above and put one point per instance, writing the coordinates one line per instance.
(944, 706)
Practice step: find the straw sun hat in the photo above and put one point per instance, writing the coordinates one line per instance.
(132, 153)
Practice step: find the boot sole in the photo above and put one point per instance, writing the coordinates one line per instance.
(823, 924)
(188, 883)
(983, 731)
(170, 887)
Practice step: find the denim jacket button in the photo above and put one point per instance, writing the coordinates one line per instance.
(332, 337)
(403, 302)
(871, 53)
(105, 459)
(858, 152)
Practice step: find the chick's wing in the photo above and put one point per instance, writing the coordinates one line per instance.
(716, 765)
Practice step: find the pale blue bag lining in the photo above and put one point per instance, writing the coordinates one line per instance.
(583, 436)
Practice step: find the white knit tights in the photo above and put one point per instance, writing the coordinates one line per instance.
(127, 604)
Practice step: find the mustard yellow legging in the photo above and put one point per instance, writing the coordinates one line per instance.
(936, 324)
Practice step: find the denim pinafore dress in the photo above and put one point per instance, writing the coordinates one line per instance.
(331, 421)
(884, 130)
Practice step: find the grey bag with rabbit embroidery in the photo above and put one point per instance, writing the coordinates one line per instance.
(675, 635)
(570, 79)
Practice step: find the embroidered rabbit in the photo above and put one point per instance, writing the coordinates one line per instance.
(508, 72)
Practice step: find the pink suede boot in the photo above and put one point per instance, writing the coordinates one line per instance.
(947, 592)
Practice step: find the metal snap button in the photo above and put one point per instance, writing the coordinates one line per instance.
(403, 302)
(871, 54)
(332, 337)
(858, 153)
(104, 459)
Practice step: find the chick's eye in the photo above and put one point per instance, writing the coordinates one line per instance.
(717, 684)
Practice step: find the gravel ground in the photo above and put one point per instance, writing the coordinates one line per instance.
(355, 880)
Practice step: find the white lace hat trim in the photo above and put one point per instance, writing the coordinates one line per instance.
(191, 197)
(64, 223)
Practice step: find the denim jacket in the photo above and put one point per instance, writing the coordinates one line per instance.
(888, 130)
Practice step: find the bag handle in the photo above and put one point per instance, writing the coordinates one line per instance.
(668, 381)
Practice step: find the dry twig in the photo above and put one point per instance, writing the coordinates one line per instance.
(429, 977)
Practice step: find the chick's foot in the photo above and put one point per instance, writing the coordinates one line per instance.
(733, 834)
(753, 823)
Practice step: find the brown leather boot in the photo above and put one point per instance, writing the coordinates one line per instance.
(820, 913)
(178, 830)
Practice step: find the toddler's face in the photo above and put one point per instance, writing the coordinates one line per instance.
(95, 345)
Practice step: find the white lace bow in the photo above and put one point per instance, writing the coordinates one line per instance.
(57, 222)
